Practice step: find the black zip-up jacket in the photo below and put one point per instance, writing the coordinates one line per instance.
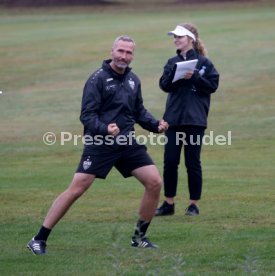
(109, 97)
(188, 101)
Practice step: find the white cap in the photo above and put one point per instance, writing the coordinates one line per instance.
(181, 31)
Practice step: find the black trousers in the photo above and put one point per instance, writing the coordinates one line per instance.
(189, 137)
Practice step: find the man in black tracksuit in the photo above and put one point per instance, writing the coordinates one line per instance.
(112, 97)
(111, 105)
(187, 108)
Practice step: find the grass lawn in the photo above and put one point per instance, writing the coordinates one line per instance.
(47, 55)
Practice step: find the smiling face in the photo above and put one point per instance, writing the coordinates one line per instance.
(122, 55)
(183, 43)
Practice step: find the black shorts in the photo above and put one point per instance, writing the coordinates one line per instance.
(125, 161)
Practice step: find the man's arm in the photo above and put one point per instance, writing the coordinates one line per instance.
(145, 119)
(91, 103)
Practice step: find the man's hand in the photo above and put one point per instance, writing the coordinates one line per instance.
(163, 126)
(113, 129)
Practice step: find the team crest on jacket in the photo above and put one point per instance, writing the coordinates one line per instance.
(132, 84)
(87, 164)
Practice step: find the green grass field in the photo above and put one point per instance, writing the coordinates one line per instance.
(47, 55)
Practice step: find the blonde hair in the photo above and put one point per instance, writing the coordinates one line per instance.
(198, 44)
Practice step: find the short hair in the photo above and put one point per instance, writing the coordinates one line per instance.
(124, 38)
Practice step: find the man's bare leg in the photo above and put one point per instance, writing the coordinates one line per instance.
(150, 178)
(80, 183)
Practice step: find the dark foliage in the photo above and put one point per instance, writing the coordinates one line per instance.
(35, 3)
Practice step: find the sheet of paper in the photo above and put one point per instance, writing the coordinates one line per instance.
(183, 67)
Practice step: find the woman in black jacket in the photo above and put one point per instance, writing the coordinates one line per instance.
(186, 112)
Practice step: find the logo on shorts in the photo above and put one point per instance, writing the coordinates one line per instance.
(87, 164)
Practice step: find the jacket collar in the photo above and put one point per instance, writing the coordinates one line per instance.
(106, 66)
(191, 54)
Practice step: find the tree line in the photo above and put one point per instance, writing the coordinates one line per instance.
(50, 2)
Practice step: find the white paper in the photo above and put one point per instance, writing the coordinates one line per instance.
(183, 67)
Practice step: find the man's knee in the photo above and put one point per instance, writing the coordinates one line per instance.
(80, 183)
(155, 183)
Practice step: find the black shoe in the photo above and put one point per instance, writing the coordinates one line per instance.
(192, 210)
(37, 247)
(165, 209)
(142, 242)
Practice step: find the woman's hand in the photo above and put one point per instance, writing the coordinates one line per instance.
(188, 75)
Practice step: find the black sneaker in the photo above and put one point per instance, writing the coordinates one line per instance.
(142, 242)
(192, 210)
(165, 209)
(37, 247)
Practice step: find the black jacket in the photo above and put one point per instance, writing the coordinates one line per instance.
(188, 101)
(109, 97)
